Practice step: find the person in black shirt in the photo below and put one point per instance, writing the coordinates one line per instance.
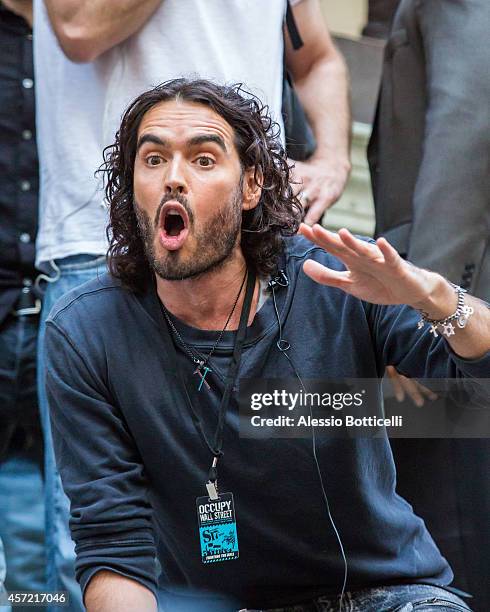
(144, 367)
(21, 502)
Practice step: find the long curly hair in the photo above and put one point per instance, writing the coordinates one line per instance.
(256, 137)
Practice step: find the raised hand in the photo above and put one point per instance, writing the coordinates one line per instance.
(320, 185)
(375, 272)
(402, 385)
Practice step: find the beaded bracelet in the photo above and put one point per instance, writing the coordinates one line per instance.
(461, 315)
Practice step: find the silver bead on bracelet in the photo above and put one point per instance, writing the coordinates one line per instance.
(460, 315)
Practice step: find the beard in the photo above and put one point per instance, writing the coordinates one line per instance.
(214, 242)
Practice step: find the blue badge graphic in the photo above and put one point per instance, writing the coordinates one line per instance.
(217, 528)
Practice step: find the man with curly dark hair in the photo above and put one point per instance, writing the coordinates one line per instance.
(263, 174)
(146, 362)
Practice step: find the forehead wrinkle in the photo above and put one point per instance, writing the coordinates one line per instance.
(188, 117)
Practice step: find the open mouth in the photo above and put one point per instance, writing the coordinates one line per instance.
(174, 225)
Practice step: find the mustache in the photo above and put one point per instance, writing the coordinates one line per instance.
(177, 197)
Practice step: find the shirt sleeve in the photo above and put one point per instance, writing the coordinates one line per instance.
(418, 354)
(100, 468)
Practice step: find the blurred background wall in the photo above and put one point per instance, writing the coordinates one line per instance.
(345, 17)
(346, 20)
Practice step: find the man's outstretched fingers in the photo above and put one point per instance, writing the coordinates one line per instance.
(331, 242)
(306, 231)
(396, 377)
(390, 254)
(325, 276)
(364, 249)
(326, 240)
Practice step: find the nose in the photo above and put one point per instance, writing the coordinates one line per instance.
(175, 180)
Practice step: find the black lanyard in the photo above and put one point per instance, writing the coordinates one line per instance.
(217, 444)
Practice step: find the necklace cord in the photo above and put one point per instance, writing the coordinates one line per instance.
(216, 448)
(235, 363)
(200, 361)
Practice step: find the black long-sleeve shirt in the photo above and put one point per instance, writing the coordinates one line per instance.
(133, 464)
(18, 160)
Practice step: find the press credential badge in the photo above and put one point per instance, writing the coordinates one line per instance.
(217, 528)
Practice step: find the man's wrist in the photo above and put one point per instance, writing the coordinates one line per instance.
(329, 158)
(442, 300)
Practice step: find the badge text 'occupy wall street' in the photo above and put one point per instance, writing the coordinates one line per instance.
(217, 528)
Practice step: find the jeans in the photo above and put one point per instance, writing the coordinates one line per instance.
(22, 525)
(399, 598)
(3, 571)
(70, 272)
(402, 598)
(22, 554)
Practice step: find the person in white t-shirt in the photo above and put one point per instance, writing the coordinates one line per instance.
(91, 59)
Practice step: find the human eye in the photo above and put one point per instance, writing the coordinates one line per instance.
(204, 161)
(154, 160)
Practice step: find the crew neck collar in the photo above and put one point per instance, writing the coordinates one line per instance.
(263, 322)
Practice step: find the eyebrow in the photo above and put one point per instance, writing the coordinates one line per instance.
(196, 140)
(205, 138)
(150, 138)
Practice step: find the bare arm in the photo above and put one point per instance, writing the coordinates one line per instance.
(20, 7)
(108, 591)
(321, 80)
(87, 29)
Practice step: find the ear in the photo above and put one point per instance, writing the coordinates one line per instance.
(252, 189)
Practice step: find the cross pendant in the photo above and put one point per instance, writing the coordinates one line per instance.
(203, 376)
